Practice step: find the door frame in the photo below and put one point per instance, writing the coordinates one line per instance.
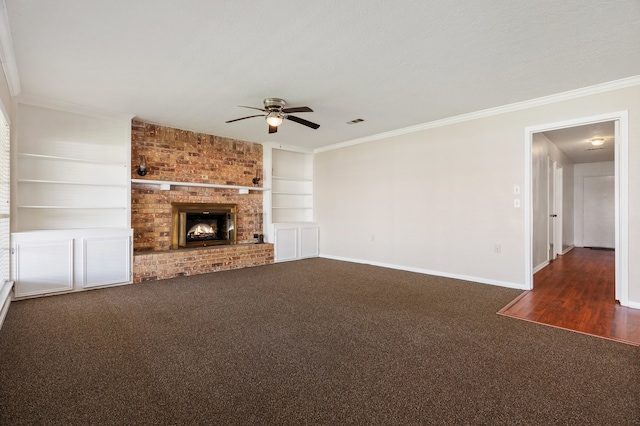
(558, 204)
(554, 207)
(621, 119)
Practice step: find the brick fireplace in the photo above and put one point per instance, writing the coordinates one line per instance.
(188, 157)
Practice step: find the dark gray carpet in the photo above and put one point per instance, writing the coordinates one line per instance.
(308, 342)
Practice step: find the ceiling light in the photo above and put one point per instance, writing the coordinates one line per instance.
(597, 142)
(274, 119)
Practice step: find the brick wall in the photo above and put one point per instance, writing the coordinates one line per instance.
(184, 156)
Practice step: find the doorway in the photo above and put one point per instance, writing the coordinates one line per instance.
(532, 218)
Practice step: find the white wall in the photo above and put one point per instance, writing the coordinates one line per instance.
(438, 200)
(581, 171)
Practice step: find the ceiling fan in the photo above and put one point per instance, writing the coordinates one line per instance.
(276, 113)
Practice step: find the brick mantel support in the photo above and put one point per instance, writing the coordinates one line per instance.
(162, 265)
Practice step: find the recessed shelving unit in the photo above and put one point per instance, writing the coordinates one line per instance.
(70, 170)
(290, 203)
(292, 186)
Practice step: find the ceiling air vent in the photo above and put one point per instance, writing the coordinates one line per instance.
(593, 149)
(356, 121)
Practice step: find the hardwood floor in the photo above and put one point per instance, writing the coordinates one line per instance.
(577, 292)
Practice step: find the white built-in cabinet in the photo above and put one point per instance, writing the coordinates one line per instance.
(295, 241)
(71, 221)
(46, 262)
(290, 203)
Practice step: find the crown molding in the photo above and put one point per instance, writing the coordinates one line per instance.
(7, 55)
(518, 106)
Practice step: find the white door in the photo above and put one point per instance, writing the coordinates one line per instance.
(599, 211)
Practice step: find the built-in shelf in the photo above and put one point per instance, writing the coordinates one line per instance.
(165, 184)
(74, 207)
(70, 159)
(61, 182)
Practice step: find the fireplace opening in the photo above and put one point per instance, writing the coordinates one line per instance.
(202, 225)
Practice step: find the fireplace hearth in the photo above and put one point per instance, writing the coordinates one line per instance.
(202, 225)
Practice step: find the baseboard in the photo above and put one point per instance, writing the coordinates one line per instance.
(568, 249)
(5, 300)
(428, 272)
(540, 266)
(633, 305)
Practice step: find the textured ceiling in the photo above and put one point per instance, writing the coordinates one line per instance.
(188, 64)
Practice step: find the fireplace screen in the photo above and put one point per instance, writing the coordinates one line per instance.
(201, 225)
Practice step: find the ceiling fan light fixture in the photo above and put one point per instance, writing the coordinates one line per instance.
(276, 113)
(274, 118)
(597, 142)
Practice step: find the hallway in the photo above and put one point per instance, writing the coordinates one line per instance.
(577, 292)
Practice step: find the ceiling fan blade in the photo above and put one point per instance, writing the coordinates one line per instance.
(238, 119)
(302, 121)
(297, 109)
(273, 129)
(259, 109)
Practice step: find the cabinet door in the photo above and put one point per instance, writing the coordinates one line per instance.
(107, 260)
(43, 267)
(309, 241)
(295, 242)
(286, 244)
